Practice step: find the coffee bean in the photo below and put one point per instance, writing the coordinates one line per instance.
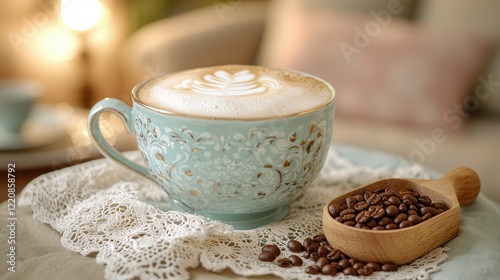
(363, 216)
(312, 269)
(350, 223)
(425, 216)
(384, 221)
(272, 248)
(323, 251)
(400, 217)
(380, 190)
(392, 211)
(413, 207)
(348, 214)
(389, 267)
(371, 223)
(425, 200)
(308, 241)
(374, 199)
(339, 219)
(412, 212)
(440, 205)
(406, 202)
(284, 262)
(295, 246)
(319, 238)
(365, 271)
(314, 256)
(405, 224)
(375, 266)
(334, 209)
(402, 208)
(329, 270)
(358, 265)
(334, 255)
(411, 198)
(353, 261)
(415, 219)
(350, 271)
(362, 205)
(359, 197)
(395, 200)
(379, 212)
(391, 226)
(344, 263)
(322, 262)
(313, 247)
(267, 256)
(431, 210)
(378, 228)
(296, 260)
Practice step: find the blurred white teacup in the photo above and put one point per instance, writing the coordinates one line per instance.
(16, 101)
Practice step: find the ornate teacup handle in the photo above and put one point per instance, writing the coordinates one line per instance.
(124, 112)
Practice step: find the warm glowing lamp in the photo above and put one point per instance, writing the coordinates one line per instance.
(80, 15)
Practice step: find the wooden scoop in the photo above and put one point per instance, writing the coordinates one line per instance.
(456, 188)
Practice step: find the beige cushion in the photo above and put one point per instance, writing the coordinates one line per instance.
(480, 16)
(381, 66)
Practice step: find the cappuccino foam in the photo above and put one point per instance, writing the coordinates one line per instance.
(235, 92)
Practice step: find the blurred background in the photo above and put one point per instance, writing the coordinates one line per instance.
(418, 79)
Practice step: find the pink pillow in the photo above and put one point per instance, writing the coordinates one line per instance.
(382, 67)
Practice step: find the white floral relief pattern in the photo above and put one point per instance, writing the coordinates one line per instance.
(224, 83)
(262, 166)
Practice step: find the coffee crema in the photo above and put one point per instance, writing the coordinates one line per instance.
(235, 92)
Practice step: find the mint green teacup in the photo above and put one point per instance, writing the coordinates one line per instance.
(234, 143)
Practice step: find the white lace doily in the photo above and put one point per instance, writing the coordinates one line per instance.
(98, 207)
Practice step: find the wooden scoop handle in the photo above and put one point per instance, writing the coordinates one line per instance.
(466, 184)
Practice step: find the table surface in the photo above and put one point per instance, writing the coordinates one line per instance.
(475, 253)
(73, 147)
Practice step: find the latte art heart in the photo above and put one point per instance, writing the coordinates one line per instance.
(235, 92)
(223, 83)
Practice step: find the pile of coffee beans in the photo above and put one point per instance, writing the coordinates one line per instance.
(326, 260)
(385, 209)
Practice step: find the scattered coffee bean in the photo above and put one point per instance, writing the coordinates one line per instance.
(295, 246)
(308, 241)
(375, 266)
(385, 209)
(322, 262)
(329, 270)
(272, 248)
(365, 271)
(326, 260)
(312, 269)
(389, 267)
(267, 256)
(296, 260)
(284, 262)
(319, 238)
(350, 271)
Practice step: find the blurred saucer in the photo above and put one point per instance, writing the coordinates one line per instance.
(45, 125)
